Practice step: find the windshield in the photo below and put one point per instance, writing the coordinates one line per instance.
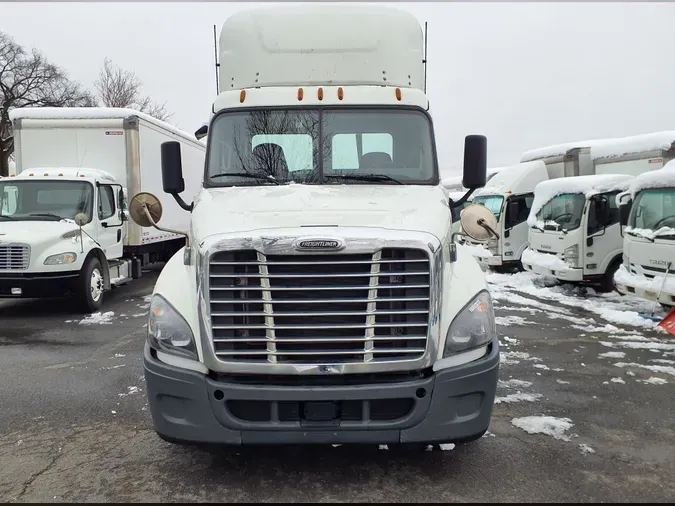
(356, 146)
(492, 202)
(562, 212)
(653, 209)
(44, 200)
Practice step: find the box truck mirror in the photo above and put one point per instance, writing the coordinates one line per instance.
(145, 209)
(624, 212)
(201, 132)
(172, 172)
(475, 162)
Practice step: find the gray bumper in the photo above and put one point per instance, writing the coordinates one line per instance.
(448, 406)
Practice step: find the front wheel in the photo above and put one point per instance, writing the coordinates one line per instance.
(607, 283)
(90, 286)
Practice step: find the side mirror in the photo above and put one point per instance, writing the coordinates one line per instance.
(81, 219)
(478, 222)
(201, 132)
(475, 162)
(624, 212)
(602, 211)
(512, 212)
(172, 172)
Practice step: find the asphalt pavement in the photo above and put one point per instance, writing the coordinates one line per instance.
(74, 421)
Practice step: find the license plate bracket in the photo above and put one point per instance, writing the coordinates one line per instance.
(320, 411)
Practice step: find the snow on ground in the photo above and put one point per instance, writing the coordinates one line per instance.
(514, 383)
(518, 397)
(613, 354)
(585, 448)
(505, 321)
(541, 424)
(616, 309)
(98, 318)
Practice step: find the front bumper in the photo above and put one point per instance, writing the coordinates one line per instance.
(645, 288)
(570, 274)
(36, 285)
(451, 405)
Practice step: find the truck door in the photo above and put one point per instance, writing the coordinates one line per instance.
(603, 237)
(110, 222)
(516, 233)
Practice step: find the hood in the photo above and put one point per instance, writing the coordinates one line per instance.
(394, 207)
(33, 232)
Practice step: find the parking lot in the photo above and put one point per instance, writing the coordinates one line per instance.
(585, 413)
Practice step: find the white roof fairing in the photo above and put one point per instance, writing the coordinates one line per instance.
(313, 45)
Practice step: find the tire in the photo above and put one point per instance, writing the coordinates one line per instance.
(90, 286)
(607, 283)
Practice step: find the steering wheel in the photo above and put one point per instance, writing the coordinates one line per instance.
(665, 219)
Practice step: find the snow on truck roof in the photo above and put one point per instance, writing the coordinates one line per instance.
(585, 185)
(330, 45)
(661, 178)
(66, 172)
(607, 148)
(94, 113)
(510, 179)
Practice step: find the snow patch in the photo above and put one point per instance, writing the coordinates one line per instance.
(617, 380)
(542, 366)
(654, 368)
(505, 321)
(654, 381)
(612, 354)
(477, 250)
(518, 397)
(514, 383)
(585, 448)
(552, 262)
(447, 446)
(562, 382)
(541, 424)
(98, 318)
(639, 346)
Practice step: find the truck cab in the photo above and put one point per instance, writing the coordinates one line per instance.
(60, 228)
(647, 212)
(320, 297)
(574, 233)
(509, 195)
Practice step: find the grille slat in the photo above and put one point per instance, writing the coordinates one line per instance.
(14, 256)
(319, 308)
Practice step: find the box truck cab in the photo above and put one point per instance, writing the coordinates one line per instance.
(509, 195)
(648, 213)
(64, 227)
(574, 231)
(321, 298)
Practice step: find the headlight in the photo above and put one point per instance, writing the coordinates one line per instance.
(571, 255)
(61, 258)
(473, 327)
(168, 331)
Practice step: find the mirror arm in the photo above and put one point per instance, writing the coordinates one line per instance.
(463, 199)
(171, 231)
(181, 202)
(487, 227)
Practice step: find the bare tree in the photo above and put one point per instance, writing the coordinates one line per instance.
(121, 88)
(27, 79)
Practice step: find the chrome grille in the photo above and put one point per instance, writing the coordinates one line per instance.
(14, 256)
(309, 309)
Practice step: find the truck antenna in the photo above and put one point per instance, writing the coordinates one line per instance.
(215, 56)
(425, 57)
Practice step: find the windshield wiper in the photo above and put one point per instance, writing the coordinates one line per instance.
(635, 234)
(364, 177)
(47, 215)
(265, 177)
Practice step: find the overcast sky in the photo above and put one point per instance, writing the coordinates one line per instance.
(525, 75)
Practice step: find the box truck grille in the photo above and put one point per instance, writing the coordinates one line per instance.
(14, 256)
(309, 309)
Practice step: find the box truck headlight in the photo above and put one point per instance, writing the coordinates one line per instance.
(168, 331)
(473, 327)
(571, 255)
(61, 258)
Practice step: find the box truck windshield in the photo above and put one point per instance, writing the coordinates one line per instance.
(653, 210)
(492, 202)
(562, 212)
(45, 200)
(321, 146)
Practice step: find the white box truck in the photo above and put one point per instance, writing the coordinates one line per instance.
(322, 298)
(509, 195)
(86, 161)
(574, 233)
(647, 210)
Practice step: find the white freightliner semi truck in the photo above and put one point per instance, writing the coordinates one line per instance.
(320, 297)
(574, 232)
(647, 210)
(77, 166)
